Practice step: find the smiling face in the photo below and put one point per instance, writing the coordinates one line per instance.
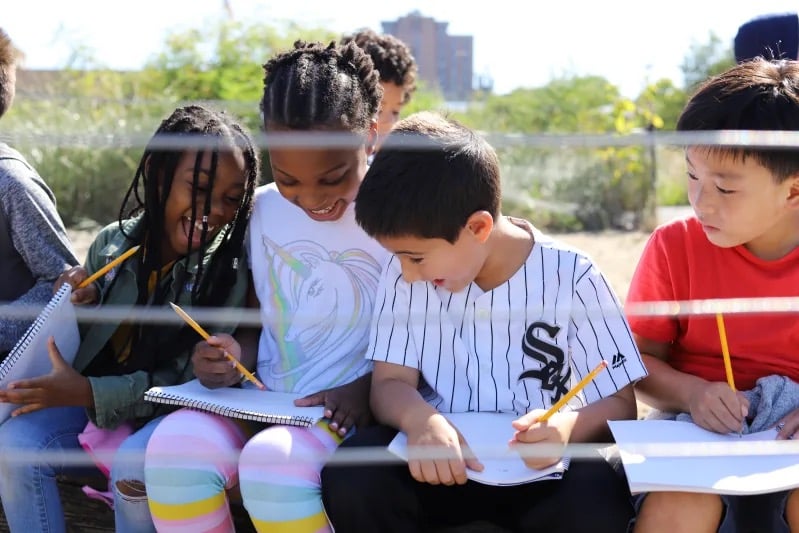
(322, 182)
(739, 202)
(224, 199)
(452, 266)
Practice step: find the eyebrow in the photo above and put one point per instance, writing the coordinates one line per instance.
(407, 252)
(721, 175)
(328, 171)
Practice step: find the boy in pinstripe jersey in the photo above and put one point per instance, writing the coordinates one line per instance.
(494, 316)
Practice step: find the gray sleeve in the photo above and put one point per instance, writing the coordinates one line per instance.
(38, 235)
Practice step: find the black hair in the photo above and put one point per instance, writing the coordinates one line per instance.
(391, 56)
(187, 129)
(757, 95)
(9, 55)
(429, 177)
(315, 86)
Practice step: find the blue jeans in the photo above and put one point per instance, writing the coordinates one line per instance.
(132, 513)
(28, 489)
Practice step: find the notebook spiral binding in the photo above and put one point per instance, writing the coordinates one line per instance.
(33, 330)
(199, 405)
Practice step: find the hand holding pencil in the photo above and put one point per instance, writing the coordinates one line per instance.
(83, 292)
(230, 357)
(533, 428)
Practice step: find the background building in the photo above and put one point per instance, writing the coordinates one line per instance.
(445, 61)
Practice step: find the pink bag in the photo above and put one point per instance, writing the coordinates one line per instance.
(101, 445)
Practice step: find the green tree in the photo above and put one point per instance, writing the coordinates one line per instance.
(223, 63)
(577, 187)
(704, 60)
(664, 100)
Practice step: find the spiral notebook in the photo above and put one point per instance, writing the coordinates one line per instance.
(269, 407)
(488, 434)
(29, 357)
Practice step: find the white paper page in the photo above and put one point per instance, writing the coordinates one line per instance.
(30, 357)
(720, 474)
(488, 435)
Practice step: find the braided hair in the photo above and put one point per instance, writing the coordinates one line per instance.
(317, 86)
(187, 129)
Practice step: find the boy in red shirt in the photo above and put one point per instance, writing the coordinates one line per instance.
(742, 242)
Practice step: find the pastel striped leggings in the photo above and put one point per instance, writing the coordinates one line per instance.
(196, 460)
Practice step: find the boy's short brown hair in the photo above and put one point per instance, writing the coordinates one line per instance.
(9, 56)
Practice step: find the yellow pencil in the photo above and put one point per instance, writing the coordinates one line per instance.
(198, 328)
(97, 275)
(725, 351)
(577, 388)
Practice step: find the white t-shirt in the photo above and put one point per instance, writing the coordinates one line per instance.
(316, 282)
(518, 347)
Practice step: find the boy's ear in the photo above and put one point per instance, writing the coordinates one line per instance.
(480, 224)
(793, 192)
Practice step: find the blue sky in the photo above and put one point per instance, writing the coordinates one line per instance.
(626, 41)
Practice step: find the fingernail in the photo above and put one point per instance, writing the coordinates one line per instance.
(333, 426)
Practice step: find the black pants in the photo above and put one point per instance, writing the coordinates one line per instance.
(591, 497)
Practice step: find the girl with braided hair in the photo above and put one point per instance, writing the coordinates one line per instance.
(315, 275)
(187, 209)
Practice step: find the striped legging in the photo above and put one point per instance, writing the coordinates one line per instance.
(194, 459)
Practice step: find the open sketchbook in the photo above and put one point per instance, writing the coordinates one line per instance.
(487, 435)
(29, 358)
(268, 407)
(714, 467)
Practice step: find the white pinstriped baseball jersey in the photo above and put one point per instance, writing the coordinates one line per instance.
(518, 347)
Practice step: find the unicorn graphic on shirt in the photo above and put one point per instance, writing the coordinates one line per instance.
(325, 300)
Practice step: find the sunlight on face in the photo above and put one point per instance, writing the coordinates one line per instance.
(452, 266)
(739, 202)
(224, 200)
(322, 182)
(390, 108)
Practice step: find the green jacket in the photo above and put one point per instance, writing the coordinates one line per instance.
(118, 399)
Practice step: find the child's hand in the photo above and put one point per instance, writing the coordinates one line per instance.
(211, 367)
(63, 386)
(74, 276)
(556, 430)
(436, 435)
(788, 426)
(346, 406)
(716, 407)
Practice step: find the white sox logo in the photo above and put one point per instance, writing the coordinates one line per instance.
(551, 374)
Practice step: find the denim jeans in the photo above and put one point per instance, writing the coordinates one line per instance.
(28, 489)
(132, 513)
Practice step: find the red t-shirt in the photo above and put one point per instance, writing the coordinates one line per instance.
(679, 263)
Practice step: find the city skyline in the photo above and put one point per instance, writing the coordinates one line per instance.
(621, 40)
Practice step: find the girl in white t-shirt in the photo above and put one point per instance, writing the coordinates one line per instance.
(314, 278)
